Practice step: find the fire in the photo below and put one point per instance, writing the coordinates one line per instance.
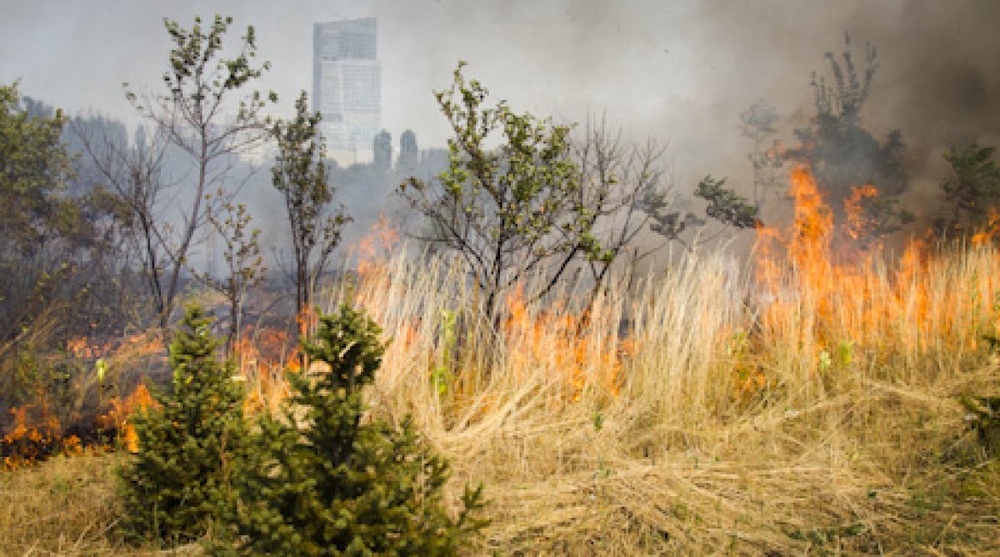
(806, 244)
(857, 221)
(373, 249)
(991, 232)
(795, 266)
(263, 359)
(824, 306)
(36, 434)
(557, 340)
(141, 344)
(117, 418)
(452, 350)
(305, 321)
(84, 348)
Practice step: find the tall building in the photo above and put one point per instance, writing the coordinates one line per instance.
(347, 87)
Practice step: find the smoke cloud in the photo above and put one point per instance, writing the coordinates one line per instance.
(681, 72)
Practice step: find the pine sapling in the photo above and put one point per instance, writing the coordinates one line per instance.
(179, 481)
(321, 480)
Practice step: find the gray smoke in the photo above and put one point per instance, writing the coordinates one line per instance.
(680, 71)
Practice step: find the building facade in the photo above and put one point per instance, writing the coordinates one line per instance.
(347, 88)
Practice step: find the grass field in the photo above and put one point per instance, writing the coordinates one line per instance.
(795, 408)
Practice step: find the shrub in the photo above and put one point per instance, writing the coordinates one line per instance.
(179, 479)
(985, 420)
(321, 482)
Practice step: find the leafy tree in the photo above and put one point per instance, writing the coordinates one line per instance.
(300, 174)
(321, 482)
(58, 246)
(382, 146)
(842, 154)
(61, 271)
(725, 206)
(179, 481)
(510, 211)
(34, 169)
(203, 85)
(971, 195)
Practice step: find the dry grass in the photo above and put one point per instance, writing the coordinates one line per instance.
(822, 423)
(64, 507)
(683, 417)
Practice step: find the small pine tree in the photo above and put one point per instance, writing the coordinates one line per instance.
(321, 482)
(179, 479)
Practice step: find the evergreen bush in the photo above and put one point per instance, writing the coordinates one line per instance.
(179, 480)
(321, 480)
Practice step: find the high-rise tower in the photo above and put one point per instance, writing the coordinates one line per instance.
(347, 86)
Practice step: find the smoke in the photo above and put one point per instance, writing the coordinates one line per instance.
(683, 72)
(679, 71)
(940, 82)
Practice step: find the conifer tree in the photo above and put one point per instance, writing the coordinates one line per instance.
(179, 480)
(321, 482)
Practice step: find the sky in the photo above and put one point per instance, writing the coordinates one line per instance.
(678, 71)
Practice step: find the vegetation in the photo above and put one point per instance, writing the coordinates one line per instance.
(725, 205)
(971, 195)
(201, 83)
(506, 212)
(63, 272)
(622, 193)
(845, 156)
(808, 425)
(321, 482)
(35, 169)
(799, 404)
(540, 203)
(758, 124)
(180, 478)
(244, 263)
(300, 174)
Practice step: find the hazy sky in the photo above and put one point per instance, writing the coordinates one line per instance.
(681, 71)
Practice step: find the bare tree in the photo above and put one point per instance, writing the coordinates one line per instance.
(622, 193)
(206, 115)
(134, 173)
(244, 264)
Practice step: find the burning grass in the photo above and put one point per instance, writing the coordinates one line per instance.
(809, 403)
(812, 408)
(686, 418)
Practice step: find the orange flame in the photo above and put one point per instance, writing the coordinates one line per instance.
(121, 410)
(36, 435)
(553, 339)
(88, 349)
(857, 221)
(991, 232)
(141, 344)
(263, 359)
(819, 305)
(373, 249)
